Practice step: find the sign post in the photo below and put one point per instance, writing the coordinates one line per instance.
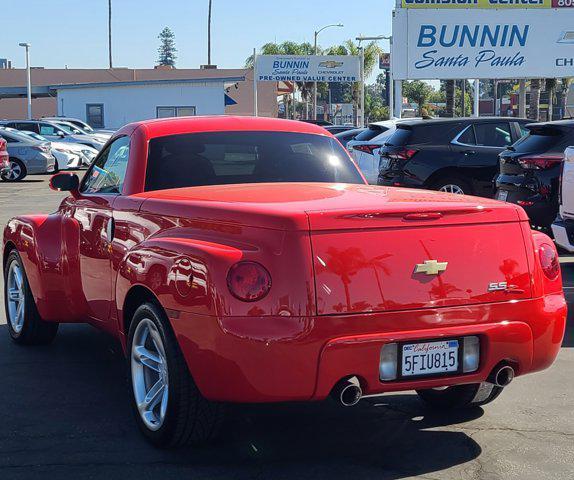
(255, 113)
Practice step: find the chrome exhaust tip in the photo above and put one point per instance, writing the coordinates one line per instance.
(348, 392)
(503, 376)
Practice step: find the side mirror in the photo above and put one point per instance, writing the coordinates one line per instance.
(61, 134)
(65, 182)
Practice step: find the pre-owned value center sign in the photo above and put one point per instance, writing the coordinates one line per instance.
(308, 68)
(483, 44)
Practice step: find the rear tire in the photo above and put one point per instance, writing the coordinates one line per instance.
(460, 396)
(25, 325)
(453, 184)
(16, 172)
(175, 413)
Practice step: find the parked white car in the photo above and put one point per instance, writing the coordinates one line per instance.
(68, 155)
(80, 123)
(563, 226)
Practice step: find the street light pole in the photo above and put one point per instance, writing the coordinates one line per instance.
(317, 32)
(28, 79)
(362, 39)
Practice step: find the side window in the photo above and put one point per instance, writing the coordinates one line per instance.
(493, 134)
(523, 130)
(109, 172)
(29, 127)
(47, 129)
(467, 137)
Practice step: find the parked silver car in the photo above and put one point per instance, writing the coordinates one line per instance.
(80, 123)
(27, 156)
(57, 132)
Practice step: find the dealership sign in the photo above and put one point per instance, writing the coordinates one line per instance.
(487, 3)
(308, 68)
(483, 44)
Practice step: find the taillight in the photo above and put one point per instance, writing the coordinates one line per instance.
(3, 145)
(403, 155)
(366, 148)
(549, 261)
(539, 162)
(248, 281)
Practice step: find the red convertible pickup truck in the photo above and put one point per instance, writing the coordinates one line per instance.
(247, 260)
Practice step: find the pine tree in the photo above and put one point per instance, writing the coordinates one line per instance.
(167, 48)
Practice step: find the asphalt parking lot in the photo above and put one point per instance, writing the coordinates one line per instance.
(65, 414)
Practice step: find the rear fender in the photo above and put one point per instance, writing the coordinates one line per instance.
(48, 246)
(190, 275)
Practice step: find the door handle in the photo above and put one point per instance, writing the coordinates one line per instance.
(110, 229)
(469, 152)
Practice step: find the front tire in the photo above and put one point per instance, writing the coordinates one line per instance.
(15, 173)
(453, 184)
(460, 396)
(168, 406)
(25, 325)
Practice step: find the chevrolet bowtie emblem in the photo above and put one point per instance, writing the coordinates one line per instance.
(431, 267)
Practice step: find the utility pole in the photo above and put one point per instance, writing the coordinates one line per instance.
(110, 32)
(209, 34)
(28, 79)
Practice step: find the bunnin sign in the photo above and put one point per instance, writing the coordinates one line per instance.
(516, 4)
(308, 68)
(484, 44)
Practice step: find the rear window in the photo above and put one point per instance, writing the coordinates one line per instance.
(539, 140)
(370, 133)
(399, 138)
(220, 158)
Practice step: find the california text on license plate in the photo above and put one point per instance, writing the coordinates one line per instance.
(429, 358)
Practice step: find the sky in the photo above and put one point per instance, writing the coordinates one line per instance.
(74, 34)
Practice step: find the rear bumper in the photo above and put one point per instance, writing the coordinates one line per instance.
(563, 231)
(272, 359)
(541, 209)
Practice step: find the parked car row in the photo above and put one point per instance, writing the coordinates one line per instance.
(47, 145)
(509, 159)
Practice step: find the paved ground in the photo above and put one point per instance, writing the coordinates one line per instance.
(64, 414)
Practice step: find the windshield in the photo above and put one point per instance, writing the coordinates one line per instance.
(219, 158)
(69, 128)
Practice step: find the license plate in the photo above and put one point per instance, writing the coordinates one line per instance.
(429, 358)
(502, 195)
(384, 163)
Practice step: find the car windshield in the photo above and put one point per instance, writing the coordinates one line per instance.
(35, 135)
(218, 158)
(69, 128)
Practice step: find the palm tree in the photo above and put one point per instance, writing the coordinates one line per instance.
(371, 54)
(550, 86)
(535, 86)
(450, 92)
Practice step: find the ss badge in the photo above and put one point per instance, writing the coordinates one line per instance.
(497, 286)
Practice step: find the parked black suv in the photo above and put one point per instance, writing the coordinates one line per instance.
(530, 170)
(457, 155)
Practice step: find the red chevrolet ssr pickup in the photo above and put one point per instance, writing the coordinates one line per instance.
(247, 260)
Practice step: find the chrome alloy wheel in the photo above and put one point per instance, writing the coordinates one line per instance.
(16, 297)
(452, 189)
(14, 172)
(150, 377)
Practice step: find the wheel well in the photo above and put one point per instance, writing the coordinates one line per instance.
(7, 249)
(443, 172)
(137, 296)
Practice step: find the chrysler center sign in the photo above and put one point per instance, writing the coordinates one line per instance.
(483, 44)
(308, 68)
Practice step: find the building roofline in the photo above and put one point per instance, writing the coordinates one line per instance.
(147, 82)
